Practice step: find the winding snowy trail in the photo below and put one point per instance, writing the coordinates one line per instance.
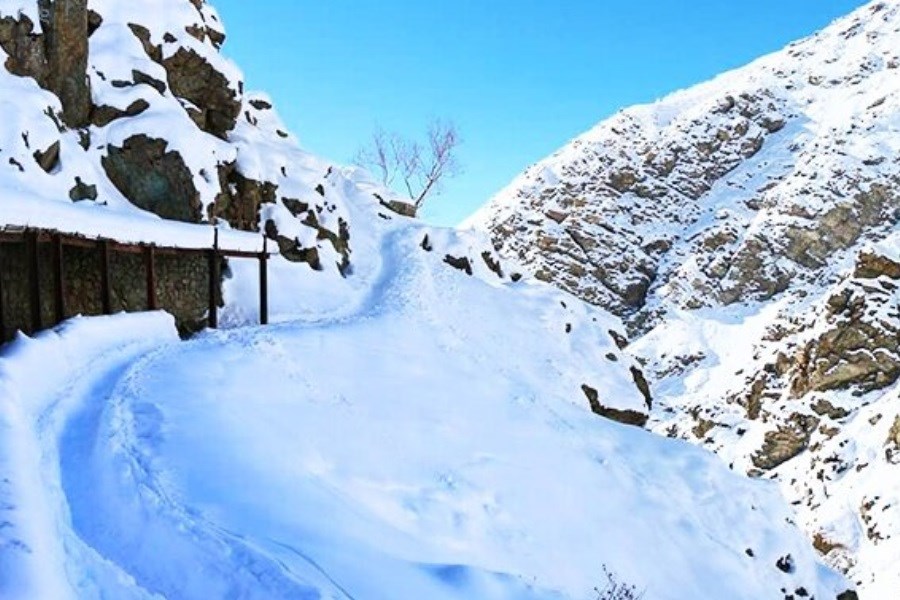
(422, 444)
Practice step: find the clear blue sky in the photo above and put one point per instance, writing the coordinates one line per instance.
(519, 77)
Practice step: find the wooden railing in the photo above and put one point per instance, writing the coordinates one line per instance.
(58, 241)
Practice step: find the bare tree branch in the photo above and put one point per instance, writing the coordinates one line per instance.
(418, 169)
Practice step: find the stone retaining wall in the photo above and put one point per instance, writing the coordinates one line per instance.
(182, 285)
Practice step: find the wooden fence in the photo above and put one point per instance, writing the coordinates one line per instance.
(58, 241)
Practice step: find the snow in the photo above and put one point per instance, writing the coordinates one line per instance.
(754, 178)
(398, 450)
(88, 220)
(403, 430)
(33, 557)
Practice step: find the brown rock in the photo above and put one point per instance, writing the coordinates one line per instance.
(556, 215)
(855, 351)
(101, 116)
(140, 77)
(27, 56)
(894, 434)
(296, 207)
(153, 178)
(240, 198)
(66, 40)
(823, 407)
(462, 263)
(49, 158)
(143, 34)
(492, 263)
(291, 250)
(873, 266)
(641, 382)
(401, 208)
(788, 441)
(191, 77)
(82, 191)
(626, 417)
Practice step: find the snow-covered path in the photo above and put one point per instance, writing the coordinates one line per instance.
(432, 443)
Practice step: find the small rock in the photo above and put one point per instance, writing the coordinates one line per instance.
(785, 564)
(82, 191)
(49, 158)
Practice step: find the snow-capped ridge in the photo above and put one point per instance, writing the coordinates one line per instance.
(746, 229)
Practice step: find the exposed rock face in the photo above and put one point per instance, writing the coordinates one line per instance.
(212, 102)
(252, 173)
(712, 198)
(861, 348)
(154, 178)
(748, 232)
(66, 41)
(240, 198)
(786, 442)
(57, 58)
(192, 77)
(27, 55)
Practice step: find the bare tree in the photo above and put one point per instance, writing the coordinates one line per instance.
(417, 169)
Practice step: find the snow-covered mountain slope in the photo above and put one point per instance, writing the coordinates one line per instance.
(166, 129)
(418, 425)
(747, 230)
(401, 451)
(760, 179)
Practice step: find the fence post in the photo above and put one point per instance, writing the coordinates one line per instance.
(214, 283)
(105, 294)
(34, 279)
(150, 267)
(264, 285)
(59, 304)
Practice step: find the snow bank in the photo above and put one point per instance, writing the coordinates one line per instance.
(33, 374)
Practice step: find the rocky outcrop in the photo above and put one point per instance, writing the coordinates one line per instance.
(214, 105)
(27, 56)
(747, 234)
(860, 349)
(66, 40)
(210, 99)
(154, 178)
(241, 198)
(57, 58)
(786, 442)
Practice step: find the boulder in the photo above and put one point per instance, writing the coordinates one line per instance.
(25, 49)
(48, 159)
(153, 178)
(194, 79)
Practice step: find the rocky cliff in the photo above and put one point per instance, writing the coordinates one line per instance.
(747, 231)
(130, 105)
